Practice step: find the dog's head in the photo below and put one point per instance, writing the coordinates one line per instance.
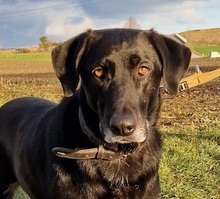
(120, 72)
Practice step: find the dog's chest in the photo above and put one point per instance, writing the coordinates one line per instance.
(119, 178)
(129, 192)
(105, 180)
(95, 190)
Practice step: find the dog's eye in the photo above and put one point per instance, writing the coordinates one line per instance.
(98, 72)
(143, 70)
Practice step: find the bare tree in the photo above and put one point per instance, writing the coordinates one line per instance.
(131, 23)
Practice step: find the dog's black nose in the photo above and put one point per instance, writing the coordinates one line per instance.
(123, 125)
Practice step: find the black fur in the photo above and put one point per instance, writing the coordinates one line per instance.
(120, 106)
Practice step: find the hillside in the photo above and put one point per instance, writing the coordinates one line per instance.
(201, 42)
(203, 36)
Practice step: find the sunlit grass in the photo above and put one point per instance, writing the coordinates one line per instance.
(204, 50)
(190, 164)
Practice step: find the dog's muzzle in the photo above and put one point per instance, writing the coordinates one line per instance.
(92, 153)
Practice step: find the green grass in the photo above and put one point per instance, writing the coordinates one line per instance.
(189, 124)
(21, 57)
(204, 50)
(190, 165)
(25, 63)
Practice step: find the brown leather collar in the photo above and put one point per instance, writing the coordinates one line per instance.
(92, 153)
(85, 154)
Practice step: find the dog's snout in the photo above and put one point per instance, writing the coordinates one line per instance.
(122, 125)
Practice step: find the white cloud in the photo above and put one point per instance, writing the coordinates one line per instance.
(54, 30)
(23, 22)
(68, 29)
(119, 24)
(189, 16)
(68, 23)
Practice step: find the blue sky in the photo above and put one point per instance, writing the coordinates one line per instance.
(23, 22)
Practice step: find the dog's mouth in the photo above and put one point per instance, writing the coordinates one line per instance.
(115, 149)
(138, 136)
(127, 148)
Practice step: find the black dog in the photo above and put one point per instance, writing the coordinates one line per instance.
(100, 142)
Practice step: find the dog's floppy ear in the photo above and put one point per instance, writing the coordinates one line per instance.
(65, 59)
(175, 60)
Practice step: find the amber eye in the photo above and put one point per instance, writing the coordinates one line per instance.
(143, 70)
(98, 72)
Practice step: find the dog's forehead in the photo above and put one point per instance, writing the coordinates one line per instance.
(117, 38)
(120, 44)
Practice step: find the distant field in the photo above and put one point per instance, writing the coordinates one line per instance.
(203, 41)
(189, 124)
(23, 57)
(204, 36)
(204, 50)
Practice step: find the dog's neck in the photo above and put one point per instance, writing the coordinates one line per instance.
(85, 128)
